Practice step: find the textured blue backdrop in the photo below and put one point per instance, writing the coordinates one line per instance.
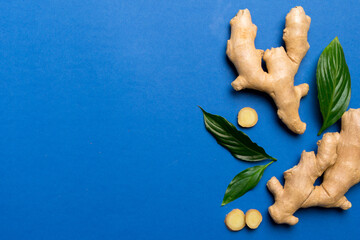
(101, 136)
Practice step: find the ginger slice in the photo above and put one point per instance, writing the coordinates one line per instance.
(247, 117)
(253, 218)
(235, 220)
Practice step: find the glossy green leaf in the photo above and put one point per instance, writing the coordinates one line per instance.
(237, 142)
(333, 83)
(243, 182)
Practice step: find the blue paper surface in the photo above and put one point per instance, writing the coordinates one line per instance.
(101, 134)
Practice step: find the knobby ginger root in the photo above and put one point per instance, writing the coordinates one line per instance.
(338, 158)
(247, 117)
(235, 220)
(253, 218)
(282, 65)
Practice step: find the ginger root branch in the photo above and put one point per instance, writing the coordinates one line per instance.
(337, 160)
(282, 65)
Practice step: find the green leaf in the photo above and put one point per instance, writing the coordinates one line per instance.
(243, 182)
(333, 83)
(237, 142)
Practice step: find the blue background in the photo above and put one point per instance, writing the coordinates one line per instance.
(101, 136)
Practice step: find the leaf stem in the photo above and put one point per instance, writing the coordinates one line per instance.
(269, 163)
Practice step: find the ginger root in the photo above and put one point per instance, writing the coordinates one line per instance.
(338, 158)
(247, 117)
(235, 220)
(282, 65)
(253, 218)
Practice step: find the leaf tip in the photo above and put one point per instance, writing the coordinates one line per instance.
(335, 40)
(322, 129)
(203, 111)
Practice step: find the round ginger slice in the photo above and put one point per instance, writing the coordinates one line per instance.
(253, 218)
(247, 117)
(235, 220)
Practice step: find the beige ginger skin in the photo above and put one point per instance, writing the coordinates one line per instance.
(282, 65)
(338, 158)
